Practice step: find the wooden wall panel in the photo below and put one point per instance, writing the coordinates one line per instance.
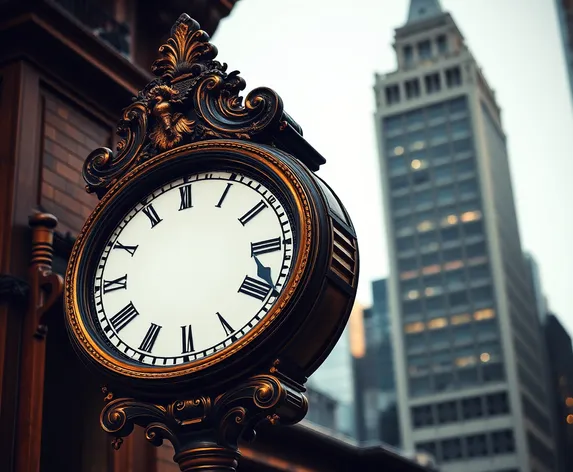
(69, 135)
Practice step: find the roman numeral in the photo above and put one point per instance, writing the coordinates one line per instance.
(150, 338)
(226, 326)
(130, 249)
(111, 285)
(262, 247)
(186, 339)
(125, 316)
(218, 205)
(253, 212)
(255, 288)
(185, 194)
(152, 215)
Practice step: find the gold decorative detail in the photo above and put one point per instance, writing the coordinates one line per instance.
(169, 127)
(83, 336)
(204, 431)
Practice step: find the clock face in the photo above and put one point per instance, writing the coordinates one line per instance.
(193, 268)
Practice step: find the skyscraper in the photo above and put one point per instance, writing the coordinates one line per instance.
(565, 18)
(466, 349)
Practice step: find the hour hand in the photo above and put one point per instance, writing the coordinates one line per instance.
(264, 273)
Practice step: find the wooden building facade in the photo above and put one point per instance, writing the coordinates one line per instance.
(67, 69)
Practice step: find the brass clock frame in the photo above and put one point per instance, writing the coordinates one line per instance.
(206, 150)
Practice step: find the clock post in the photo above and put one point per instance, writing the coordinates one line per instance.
(217, 271)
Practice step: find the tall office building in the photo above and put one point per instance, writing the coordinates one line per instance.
(466, 347)
(565, 18)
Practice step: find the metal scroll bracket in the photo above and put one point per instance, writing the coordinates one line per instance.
(205, 430)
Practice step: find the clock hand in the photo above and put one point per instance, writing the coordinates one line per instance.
(264, 273)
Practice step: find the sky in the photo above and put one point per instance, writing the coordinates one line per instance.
(321, 57)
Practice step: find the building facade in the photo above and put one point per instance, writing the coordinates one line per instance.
(375, 388)
(466, 347)
(560, 353)
(565, 18)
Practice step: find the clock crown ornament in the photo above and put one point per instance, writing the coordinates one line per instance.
(193, 98)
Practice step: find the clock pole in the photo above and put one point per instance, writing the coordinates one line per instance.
(205, 430)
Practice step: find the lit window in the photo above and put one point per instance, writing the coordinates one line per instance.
(569, 419)
(450, 220)
(461, 319)
(470, 216)
(486, 314)
(417, 164)
(398, 150)
(409, 274)
(413, 294)
(418, 145)
(414, 327)
(569, 401)
(465, 361)
(453, 265)
(437, 323)
(433, 269)
(429, 291)
(426, 225)
(484, 357)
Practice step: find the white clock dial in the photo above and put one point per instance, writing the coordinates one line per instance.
(193, 268)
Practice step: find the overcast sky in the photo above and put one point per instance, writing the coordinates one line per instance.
(321, 56)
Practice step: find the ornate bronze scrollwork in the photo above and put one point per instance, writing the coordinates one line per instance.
(204, 429)
(194, 98)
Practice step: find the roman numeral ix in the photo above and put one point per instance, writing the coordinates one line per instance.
(150, 338)
(185, 194)
(116, 284)
(152, 215)
(255, 288)
(186, 339)
(125, 316)
(253, 212)
(262, 247)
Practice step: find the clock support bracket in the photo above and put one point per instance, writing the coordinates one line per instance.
(205, 430)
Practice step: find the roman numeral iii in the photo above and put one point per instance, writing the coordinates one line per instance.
(150, 338)
(116, 284)
(150, 212)
(255, 288)
(262, 247)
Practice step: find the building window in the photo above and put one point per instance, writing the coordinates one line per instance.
(472, 408)
(408, 55)
(492, 372)
(442, 43)
(392, 94)
(497, 404)
(468, 376)
(502, 441)
(482, 295)
(425, 49)
(453, 77)
(451, 449)
(432, 82)
(468, 189)
(476, 445)
(422, 416)
(420, 386)
(393, 124)
(412, 88)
